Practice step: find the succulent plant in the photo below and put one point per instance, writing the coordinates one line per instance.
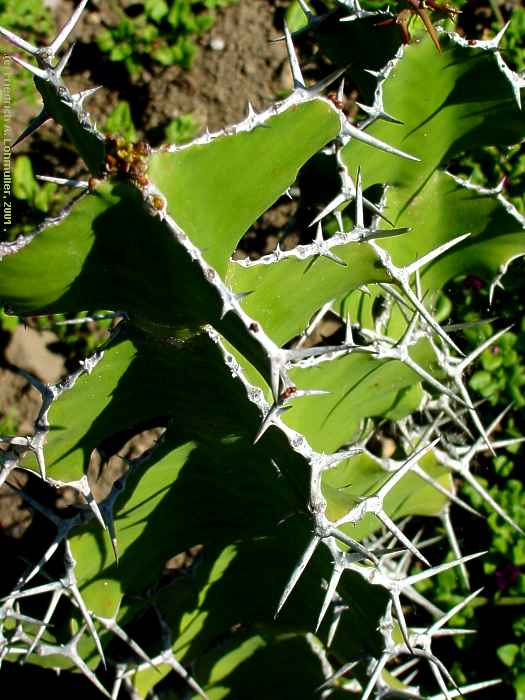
(266, 457)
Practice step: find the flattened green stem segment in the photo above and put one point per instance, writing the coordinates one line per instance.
(278, 300)
(448, 103)
(216, 190)
(110, 252)
(444, 208)
(358, 387)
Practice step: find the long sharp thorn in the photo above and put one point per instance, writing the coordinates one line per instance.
(375, 677)
(475, 418)
(374, 233)
(330, 591)
(340, 672)
(436, 672)
(325, 82)
(455, 418)
(296, 574)
(477, 352)
(498, 444)
(266, 422)
(378, 113)
(370, 140)
(66, 182)
(430, 319)
(93, 505)
(450, 614)
(67, 28)
(375, 210)
(499, 36)
(79, 97)
(298, 80)
(393, 292)
(420, 600)
(37, 72)
(453, 327)
(117, 630)
(88, 673)
(341, 91)
(404, 667)
(64, 60)
(43, 561)
(18, 41)
(117, 683)
(49, 614)
(113, 536)
(334, 258)
(434, 253)
(441, 666)
(400, 473)
(488, 499)
(399, 534)
(89, 621)
(425, 18)
(179, 668)
(492, 427)
(435, 570)
(432, 381)
(336, 202)
(401, 620)
(354, 545)
(33, 125)
(443, 489)
(454, 544)
(23, 618)
(466, 689)
(359, 216)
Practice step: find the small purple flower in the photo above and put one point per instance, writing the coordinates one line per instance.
(473, 282)
(507, 576)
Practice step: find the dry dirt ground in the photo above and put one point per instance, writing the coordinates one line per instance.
(251, 66)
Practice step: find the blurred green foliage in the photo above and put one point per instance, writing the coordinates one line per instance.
(26, 188)
(32, 20)
(163, 32)
(120, 122)
(181, 129)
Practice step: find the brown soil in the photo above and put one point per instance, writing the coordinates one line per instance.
(250, 67)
